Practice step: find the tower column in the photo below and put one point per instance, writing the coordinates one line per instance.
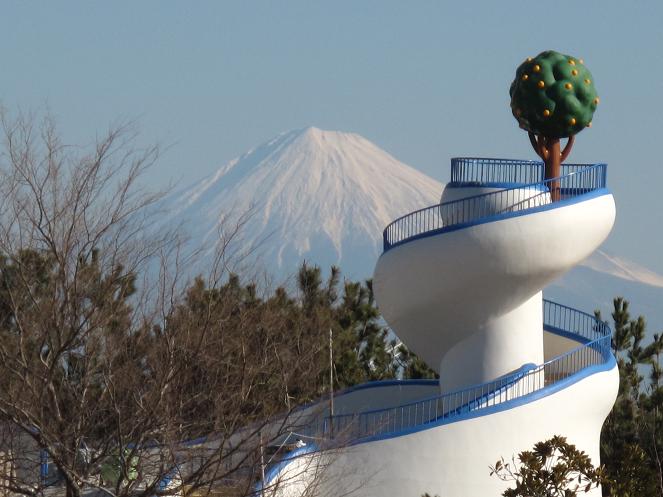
(500, 346)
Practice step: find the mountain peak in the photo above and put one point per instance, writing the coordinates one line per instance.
(313, 132)
(323, 196)
(321, 138)
(317, 137)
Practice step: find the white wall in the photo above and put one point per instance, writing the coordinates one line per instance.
(452, 460)
(499, 346)
(556, 345)
(516, 199)
(437, 291)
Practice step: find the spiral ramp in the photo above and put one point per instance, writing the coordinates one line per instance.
(460, 283)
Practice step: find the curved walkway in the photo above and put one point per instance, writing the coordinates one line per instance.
(518, 195)
(592, 354)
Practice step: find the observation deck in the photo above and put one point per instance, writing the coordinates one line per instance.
(493, 189)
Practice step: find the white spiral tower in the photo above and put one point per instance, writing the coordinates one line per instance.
(461, 284)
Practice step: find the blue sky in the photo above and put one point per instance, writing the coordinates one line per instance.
(424, 80)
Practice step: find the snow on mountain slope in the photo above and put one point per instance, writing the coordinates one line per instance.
(622, 268)
(320, 196)
(601, 278)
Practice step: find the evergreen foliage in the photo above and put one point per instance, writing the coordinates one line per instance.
(104, 364)
(266, 353)
(361, 348)
(631, 440)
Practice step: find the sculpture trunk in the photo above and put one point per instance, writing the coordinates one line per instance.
(553, 168)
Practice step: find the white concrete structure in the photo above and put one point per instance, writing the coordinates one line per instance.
(460, 283)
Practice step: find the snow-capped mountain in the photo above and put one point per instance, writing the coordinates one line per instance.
(314, 195)
(326, 196)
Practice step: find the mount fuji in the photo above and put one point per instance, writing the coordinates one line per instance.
(308, 194)
(326, 196)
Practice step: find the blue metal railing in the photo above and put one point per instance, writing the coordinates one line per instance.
(485, 170)
(564, 319)
(578, 180)
(454, 405)
(480, 170)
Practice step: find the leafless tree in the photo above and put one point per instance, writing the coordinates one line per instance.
(122, 381)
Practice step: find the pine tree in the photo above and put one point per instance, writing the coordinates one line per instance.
(631, 440)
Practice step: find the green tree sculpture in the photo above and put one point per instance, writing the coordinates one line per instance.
(553, 97)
